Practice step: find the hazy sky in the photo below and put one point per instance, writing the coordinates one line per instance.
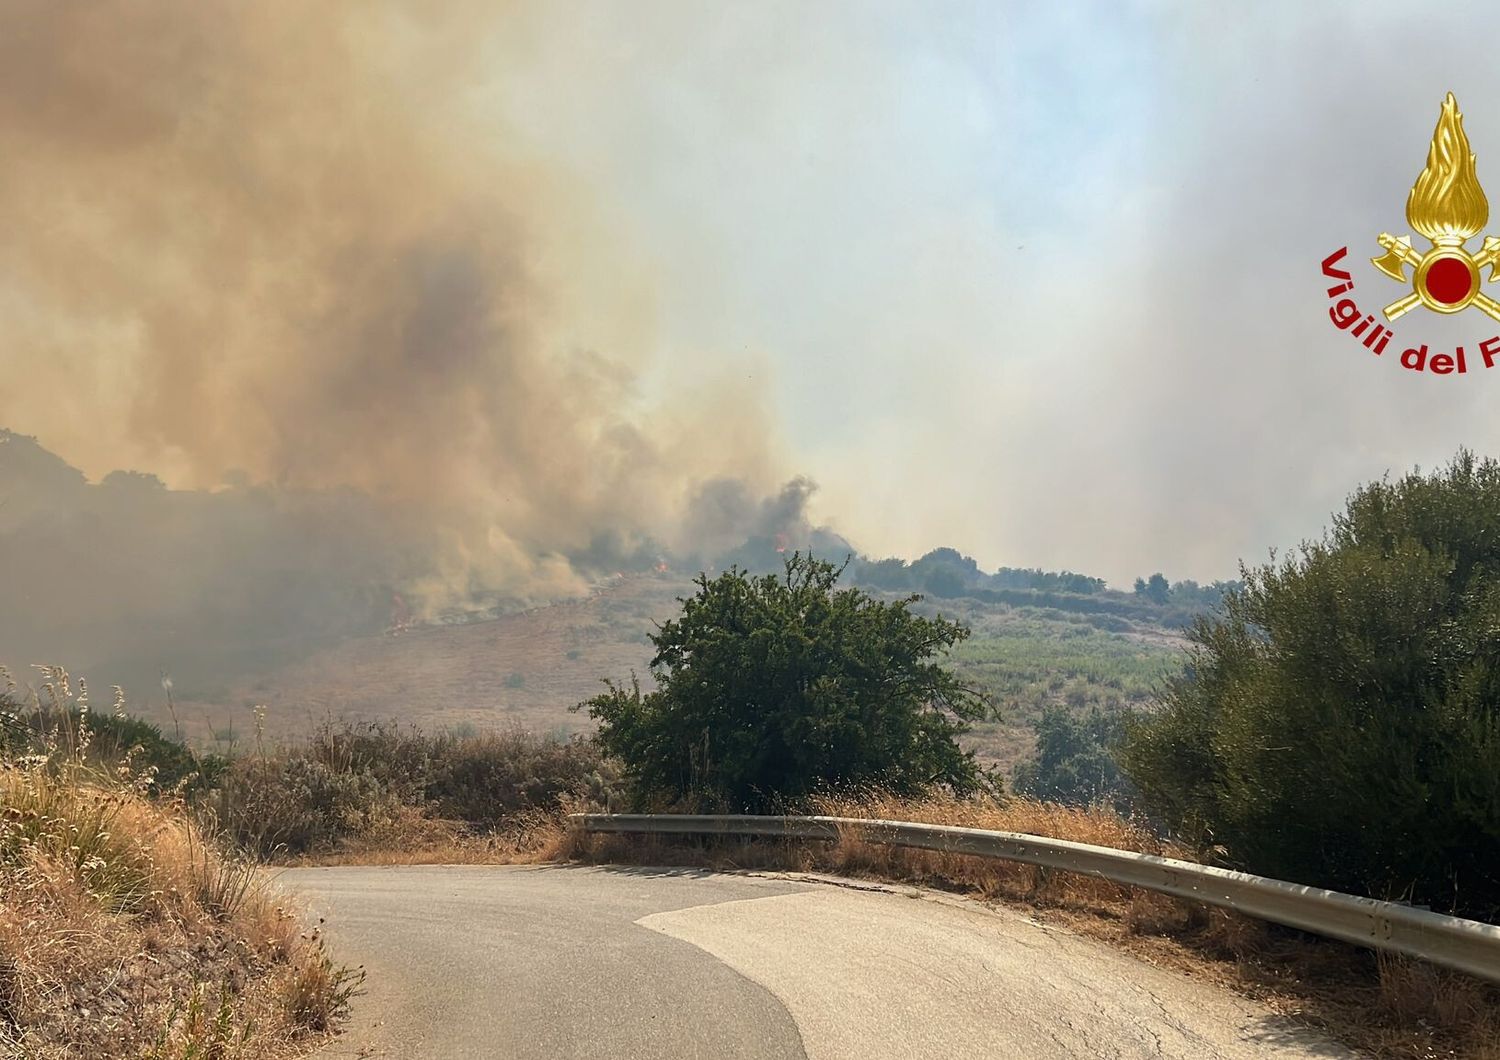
(1037, 281)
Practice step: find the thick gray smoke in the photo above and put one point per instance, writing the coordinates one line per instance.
(280, 255)
(132, 580)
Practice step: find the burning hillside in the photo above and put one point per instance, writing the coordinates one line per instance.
(128, 579)
(287, 261)
(258, 245)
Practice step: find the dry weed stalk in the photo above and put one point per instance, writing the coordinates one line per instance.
(116, 912)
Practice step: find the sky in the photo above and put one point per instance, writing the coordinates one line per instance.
(1039, 282)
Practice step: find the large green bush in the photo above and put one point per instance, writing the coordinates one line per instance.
(775, 687)
(1339, 724)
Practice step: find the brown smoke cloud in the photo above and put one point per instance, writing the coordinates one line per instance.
(291, 242)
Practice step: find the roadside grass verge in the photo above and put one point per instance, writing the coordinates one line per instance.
(123, 933)
(372, 790)
(530, 837)
(126, 930)
(1388, 1007)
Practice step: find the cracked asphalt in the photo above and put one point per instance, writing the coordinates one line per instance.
(563, 962)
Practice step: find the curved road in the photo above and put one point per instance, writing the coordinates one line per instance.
(555, 962)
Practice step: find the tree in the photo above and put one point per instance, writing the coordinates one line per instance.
(1075, 758)
(1157, 589)
(772, 688)
(945, 573)
(891, 574)
(1188, 593)
(1339, 723)
(1033, 578)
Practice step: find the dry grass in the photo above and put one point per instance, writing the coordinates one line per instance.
(1386, 1007)
(123, 934)
(524, 669)
(371, 788)
(527, 838)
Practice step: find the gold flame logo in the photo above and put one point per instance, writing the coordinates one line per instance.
(1447, 205)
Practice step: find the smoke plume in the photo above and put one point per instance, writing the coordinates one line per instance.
(288, 243)
(374, 356)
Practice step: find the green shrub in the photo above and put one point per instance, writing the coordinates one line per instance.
(117, 736)
(773, 688)
(1074, 762)
(1339, 724)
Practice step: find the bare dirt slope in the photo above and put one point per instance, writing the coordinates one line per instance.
(523, 669)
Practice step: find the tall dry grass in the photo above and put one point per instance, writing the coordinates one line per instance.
(124, 931)
(358, 787)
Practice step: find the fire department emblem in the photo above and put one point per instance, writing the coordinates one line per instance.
(1447, 207)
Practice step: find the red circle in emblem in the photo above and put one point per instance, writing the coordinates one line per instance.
(1449, 281)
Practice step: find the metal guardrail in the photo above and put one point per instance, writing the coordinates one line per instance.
(1465, 945)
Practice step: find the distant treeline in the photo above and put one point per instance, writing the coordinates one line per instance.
(946, 573)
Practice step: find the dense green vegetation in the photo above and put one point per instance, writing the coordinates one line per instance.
(1028, 663)
(773, 688)
(1339, 724)
(946, 574)
(1076, 759)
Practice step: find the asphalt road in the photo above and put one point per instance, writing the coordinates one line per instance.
(558, 962)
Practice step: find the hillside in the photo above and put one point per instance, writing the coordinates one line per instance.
(1027, 656)
(528, 668)
(130, 581)
(523, 669)
(299, 602)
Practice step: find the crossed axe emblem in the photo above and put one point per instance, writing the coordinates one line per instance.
(1447, 277)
